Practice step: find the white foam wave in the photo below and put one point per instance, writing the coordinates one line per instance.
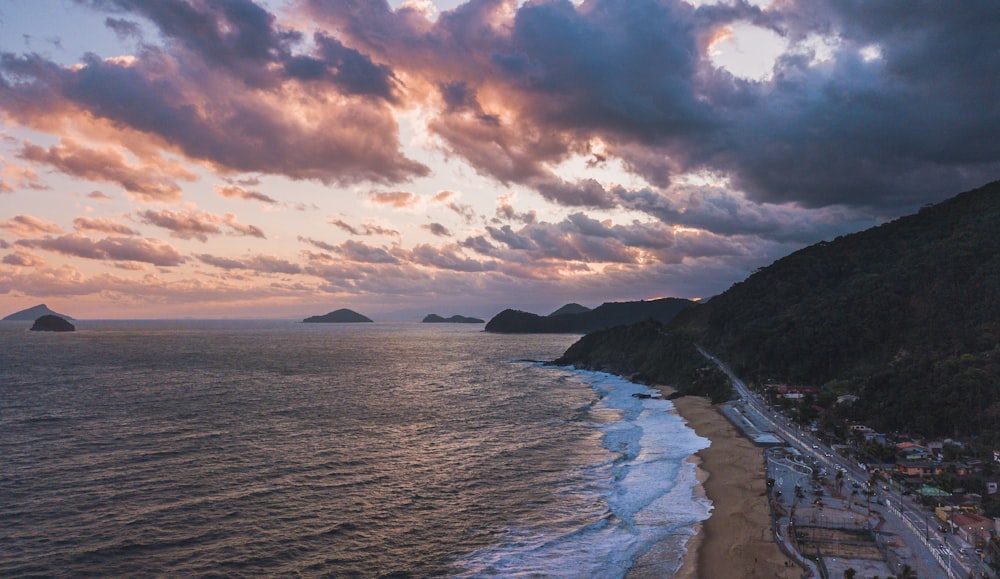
(646, 487)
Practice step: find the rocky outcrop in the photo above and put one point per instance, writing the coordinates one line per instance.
(50, 323)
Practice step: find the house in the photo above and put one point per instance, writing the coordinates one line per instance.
(915, 468)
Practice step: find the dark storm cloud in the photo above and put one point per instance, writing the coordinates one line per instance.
(889, 133)
(907, 128)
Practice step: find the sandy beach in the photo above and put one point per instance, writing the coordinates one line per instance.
(736, 541)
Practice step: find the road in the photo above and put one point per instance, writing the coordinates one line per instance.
(938, 553)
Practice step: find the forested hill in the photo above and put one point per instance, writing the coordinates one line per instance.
(570, 319)
(906, 315)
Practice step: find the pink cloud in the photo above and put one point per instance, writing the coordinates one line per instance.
(27, 226)
(23, 259)
(237, 192)
(100, 225)
(258, 263)
(152, 251)
(397, 199)
(368, 228)
(196, 225)
(145, 181)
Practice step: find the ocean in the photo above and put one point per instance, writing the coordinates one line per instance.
(275, 448)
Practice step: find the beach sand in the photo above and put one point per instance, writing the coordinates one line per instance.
(736, 541)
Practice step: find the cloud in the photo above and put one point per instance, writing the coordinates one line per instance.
(98, 196)
(258, 263)
(397, 199)
(23, 259)
(448, 258)
(368, 228)
(237, 192)
(521, 89)
(437, 229)
(217, 90)
(144, 181)
(196, 225)
(28, 226)
(364, 253)
(14, 177)
(100, 225)
(152, 251)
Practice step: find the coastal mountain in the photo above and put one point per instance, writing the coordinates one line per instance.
(571, 309)
(456, 319)
(50, 323)
(341, 316)
(33, 313)
(604, 316)
(905, 316)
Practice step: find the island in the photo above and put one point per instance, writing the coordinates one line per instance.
(456, 319)
(50, 323)
(33, 313)
(341, 316)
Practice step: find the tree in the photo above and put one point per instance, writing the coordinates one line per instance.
(849, 573)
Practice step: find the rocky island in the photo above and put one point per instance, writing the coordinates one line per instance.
(456, 319)
(33, 313)
(341, 316)
(50, 323)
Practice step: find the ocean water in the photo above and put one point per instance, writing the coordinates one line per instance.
(266, 448)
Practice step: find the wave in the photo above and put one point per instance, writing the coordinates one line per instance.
(643, 494)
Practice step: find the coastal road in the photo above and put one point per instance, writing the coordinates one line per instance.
(934, 550)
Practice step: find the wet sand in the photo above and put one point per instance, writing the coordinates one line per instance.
(737, 540)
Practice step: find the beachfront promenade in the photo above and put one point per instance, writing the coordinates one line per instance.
(829, 523)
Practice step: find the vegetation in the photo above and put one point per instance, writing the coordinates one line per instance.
(573, 318)
(906, 316)
(646, 352)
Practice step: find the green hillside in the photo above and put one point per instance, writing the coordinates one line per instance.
(905, 315)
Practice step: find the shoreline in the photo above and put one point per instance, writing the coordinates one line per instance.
(736, 540)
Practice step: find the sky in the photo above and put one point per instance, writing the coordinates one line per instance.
(278, 159)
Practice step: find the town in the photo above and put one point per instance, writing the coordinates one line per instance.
(848, 501)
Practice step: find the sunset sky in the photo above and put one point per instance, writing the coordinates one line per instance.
(231, 158)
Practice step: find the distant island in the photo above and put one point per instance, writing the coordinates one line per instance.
(50, 323)
(33, 313)
(456, 319)
(341, 316)
(574, 318)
